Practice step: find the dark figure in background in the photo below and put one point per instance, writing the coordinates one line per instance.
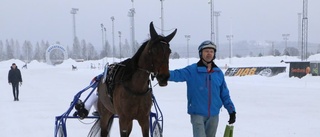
(25, 66)
(74, 67)
(14, 78)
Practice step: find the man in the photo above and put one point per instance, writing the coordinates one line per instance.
(206, 92)
(14, 78)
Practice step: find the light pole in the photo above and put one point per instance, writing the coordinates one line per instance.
(285, 38)
(212, 20)
(74, 12)
(105, 34)
(273, 50)
(28, 53)
(217, 14)
(112, 19)
(304, 41)
(229, 37)
(299, 30)
(162, 18)
(102, 35)
(188, 38)
(119, 32)
(131, 15)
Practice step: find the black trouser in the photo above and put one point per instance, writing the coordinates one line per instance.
(15, 90)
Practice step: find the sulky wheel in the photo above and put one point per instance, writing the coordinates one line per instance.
(157, 130)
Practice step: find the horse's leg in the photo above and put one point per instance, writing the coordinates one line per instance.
(106, 123)
(144, 124)
(106, 119)
(125, 126)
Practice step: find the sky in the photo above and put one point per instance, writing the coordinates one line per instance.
(251, 20)
(276, 106)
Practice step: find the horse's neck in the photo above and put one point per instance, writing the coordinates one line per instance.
(140, 78)
(139, 81)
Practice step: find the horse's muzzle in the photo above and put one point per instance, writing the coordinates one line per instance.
(162, 80)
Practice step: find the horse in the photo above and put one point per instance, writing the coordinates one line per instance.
(25, 66)
(130, 98)
(74, 67)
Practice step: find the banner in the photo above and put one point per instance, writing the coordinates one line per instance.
(315, 71)
(263, 71)
(299, 69)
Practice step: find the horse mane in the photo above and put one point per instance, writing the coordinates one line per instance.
(136, 56)
(131, 64)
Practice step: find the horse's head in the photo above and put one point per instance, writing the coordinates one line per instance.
(159, 52)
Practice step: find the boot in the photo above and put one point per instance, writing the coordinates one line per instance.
(95, 113)
(82, 112)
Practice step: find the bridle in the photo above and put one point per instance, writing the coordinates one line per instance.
(153, 71)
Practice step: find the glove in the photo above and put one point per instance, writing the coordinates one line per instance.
(20, 84)
(232, 118)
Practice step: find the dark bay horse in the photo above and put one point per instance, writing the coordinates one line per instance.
(131, 96)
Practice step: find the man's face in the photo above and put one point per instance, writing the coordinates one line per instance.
(14, 66)
(207, 54)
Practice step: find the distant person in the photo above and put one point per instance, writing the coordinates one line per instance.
(14, 78)
(25, 66)
(206, 92)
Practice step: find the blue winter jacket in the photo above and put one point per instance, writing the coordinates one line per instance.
(206, 91)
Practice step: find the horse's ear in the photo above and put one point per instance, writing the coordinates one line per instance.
(153, 32)
(170, 36)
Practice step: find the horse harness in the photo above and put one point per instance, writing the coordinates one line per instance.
(113, 69)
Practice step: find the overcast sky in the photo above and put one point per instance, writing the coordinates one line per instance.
(258, 20)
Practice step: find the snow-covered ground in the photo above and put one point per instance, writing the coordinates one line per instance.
(276, 106)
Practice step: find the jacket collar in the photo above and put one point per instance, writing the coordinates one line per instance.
(202, 67)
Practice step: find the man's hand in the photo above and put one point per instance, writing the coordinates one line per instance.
(232, 118)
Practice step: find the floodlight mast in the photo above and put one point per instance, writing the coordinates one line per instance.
(230, 37)
(217, 14)
(162, 18)
(212, 20)
(113, 48)
(74, 12)
(132, 27)
(304, 47)
(188, 38)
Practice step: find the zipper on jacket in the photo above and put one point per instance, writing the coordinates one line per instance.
(209, 94)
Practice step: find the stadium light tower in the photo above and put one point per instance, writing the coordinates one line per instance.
(105, 34)
(188, 38)
(299, 30)
(217, 14)
(285, 38)
(74, 12)
(132, 27)
(212, 20)
(162, 18)
(304, 46)
(229, 38)
(112, 19)
(102, 31)
(119, 32)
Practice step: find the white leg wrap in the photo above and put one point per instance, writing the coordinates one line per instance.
(92, 100)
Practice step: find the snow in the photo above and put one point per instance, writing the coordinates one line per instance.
(276, 106)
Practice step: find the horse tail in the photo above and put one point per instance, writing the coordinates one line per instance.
(95, 130)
